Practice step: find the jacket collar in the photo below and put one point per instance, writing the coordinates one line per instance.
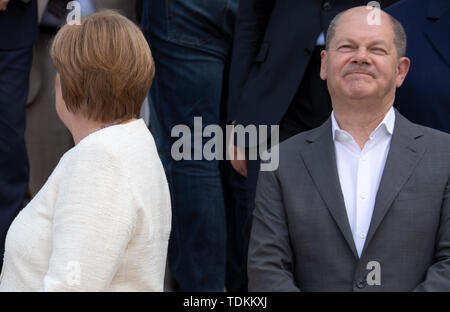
(436, 8)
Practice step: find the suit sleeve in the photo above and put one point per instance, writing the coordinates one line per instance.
(438, 275)
(92, 224)
(251, 23)
(270, 256)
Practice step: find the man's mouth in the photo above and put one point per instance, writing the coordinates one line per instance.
(359, 73)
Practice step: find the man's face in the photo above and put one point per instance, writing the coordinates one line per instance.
(362, 62)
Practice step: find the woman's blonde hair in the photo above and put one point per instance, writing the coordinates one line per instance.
(105, 65)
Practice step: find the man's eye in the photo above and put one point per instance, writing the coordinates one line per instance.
(345, 47)
(379, 51)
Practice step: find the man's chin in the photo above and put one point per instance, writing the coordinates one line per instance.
(359, 91)
(358, 94)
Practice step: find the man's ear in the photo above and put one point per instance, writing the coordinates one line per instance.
(402, 70)
(323, 65)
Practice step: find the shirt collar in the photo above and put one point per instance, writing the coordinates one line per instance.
(387, 124)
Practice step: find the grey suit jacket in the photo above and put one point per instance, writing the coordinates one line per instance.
(301, 238)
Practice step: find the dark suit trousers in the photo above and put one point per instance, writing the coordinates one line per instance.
(14, 72)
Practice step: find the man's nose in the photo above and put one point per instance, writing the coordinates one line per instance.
(361, 56)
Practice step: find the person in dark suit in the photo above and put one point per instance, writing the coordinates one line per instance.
(425, 96)
(274, 80)
(361, 203)
(18, 33)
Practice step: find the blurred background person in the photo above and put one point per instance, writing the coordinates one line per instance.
(126, 8)
(191, 43)
(18, 33)
(274, 80)
(47, 139)
(424, 97)
(102, 220)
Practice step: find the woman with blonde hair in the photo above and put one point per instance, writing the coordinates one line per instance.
(102, 220)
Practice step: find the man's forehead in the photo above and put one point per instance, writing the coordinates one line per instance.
(371, 40)
(364, 12)
(363, 23)
(355, 25)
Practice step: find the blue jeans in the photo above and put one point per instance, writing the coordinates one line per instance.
(191, 45)
(14, 74)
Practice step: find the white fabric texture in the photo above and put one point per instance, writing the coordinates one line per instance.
(100, 223)
(360, 173)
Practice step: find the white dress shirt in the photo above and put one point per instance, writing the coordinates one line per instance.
(360, 173)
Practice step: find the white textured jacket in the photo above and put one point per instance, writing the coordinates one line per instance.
(100, 223)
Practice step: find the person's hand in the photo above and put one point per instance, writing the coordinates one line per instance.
(239, 165)
(3, 5)
(237, 157)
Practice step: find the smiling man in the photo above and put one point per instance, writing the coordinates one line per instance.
(361, 203)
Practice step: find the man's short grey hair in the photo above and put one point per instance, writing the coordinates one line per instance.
(397, 28)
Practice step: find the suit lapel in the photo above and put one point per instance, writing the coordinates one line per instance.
(404, 154)
(320, 161)
(439, 10)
